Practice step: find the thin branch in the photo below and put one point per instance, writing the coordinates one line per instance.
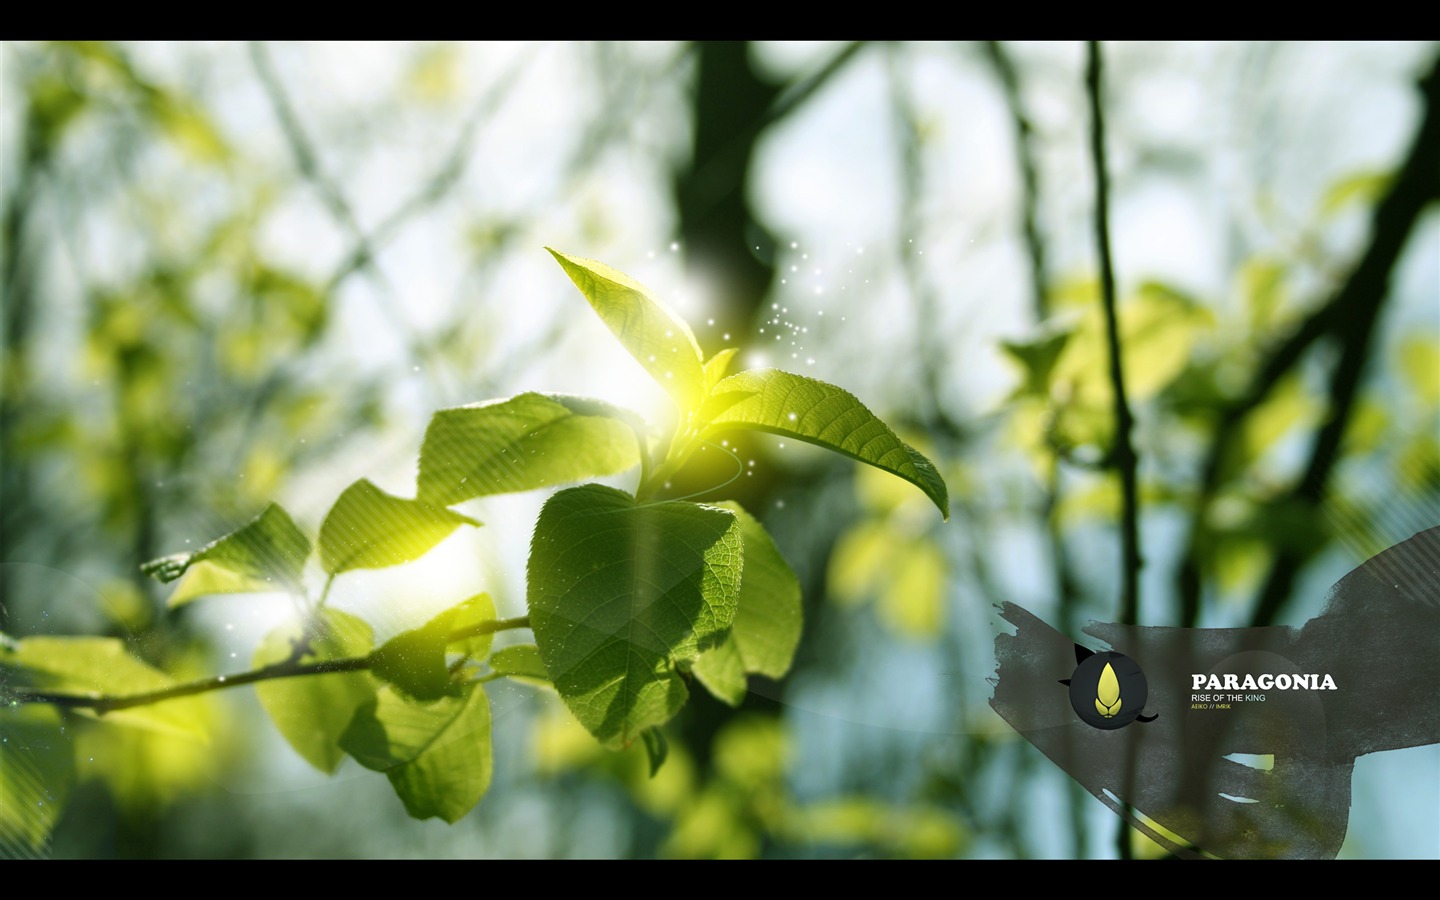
(308, 162)
(932, 355)
(1029, 175)
(1358, 306)
(288, 668)
(1123, 455)
(794, 96)
(445, 176)
(789, 99)
(1348, 315)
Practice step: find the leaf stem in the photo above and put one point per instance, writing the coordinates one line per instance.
(101, 703)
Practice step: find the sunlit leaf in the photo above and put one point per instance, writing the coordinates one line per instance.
(269, 550)
(414, 661)
(473, 611)
(37, 770)
(620, 592)
(1158, 328)
(658, 338)
(768, 620)
(312, 712)
(526, 442)
(370, 529)
(717, 366)
(519, 659)
(99, 666)
(722, 671)
(808, 410)
(436, 754)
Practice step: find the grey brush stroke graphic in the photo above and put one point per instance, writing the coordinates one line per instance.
(1378, 637)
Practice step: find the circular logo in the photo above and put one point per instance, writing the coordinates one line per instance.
(1108, 690)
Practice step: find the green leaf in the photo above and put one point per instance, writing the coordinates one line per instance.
(469, 613)
(203, 579)
(526, 442)
(414, 661)
(370, 529)
(99, 666)
(656, 748)
(268, 553)
(658, 338)
(619, 593)
(436, 754)
(768, 620)
(808, 410)
(519, 659)
(313, 712)
(717, 365)
(1037, 358)
(722, 671)
(37, 769)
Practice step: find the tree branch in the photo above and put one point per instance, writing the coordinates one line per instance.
(288, 668)
(1352, 308)
(1357, 308)
(1029, 175)
(1123, 454)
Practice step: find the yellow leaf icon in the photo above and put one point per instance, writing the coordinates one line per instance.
(1108, 692)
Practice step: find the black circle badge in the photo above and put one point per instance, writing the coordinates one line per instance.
(1108, 690)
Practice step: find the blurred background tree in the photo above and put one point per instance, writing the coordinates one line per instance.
(235, 273)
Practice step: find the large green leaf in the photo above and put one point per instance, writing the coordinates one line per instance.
(267, 553)
(767, 624)
(808, 410)
(657, 337)
(100, 666)
(529, 441)
(37, 769)
(370, 529)
(619, 593)
(436, 754)
(312, 712)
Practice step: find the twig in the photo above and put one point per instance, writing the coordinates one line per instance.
(1123, 455)
(1029, 175)
(288, 668)
(444, 177)
(1357, 308)
(308, 162)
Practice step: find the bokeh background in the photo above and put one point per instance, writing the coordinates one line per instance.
(236, 273)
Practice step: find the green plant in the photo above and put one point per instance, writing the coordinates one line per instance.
(630, 595)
